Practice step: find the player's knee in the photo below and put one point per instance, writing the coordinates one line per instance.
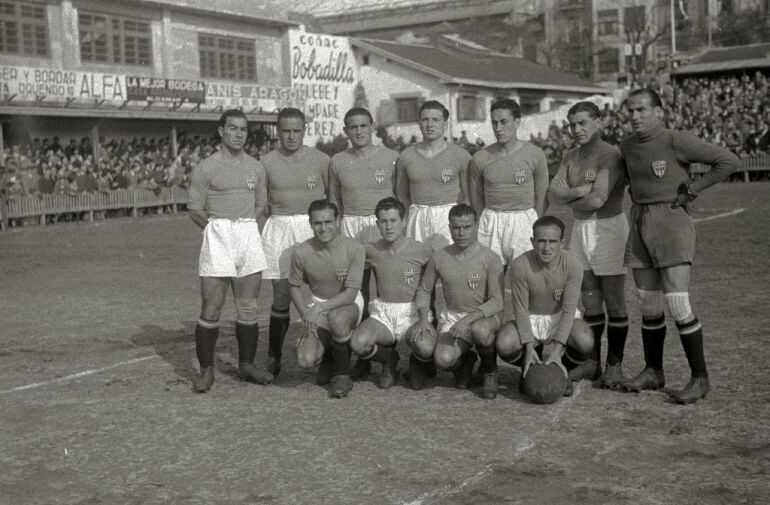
(246, 310)
(483, 333)
(592, 301)
(616, 307)
(508, 342)
(422, 343)
(679, 306)
(446, 356)
(211, 312)
(581, 340)
(361, 342)
(650, 303)
(341, 325)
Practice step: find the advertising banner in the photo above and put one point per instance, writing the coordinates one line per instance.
(251, 97)
(50, 85)
(152, 89)
(324, 71)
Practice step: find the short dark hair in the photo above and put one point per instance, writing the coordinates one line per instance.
(655, 100)
(357, 111)
(548, 221)
(506, 103)
(289, 112)
(322, 204)
(231, 113)
(463, 209)
(591, 108)
(435, 105)
(389, 203)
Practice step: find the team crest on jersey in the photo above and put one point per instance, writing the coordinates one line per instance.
(557, 294)
(312, 180)
(446, 174)
(473, 280)
(590, 175)
(659, 168)
(379, 175)
(410, 275)
(342, 274)
(519, 174)
(251, 182)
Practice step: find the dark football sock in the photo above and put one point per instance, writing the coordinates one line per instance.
(596, 323)
(247, 336)
(383, 353)
(341, 357)
(488, 358)
(617, 331)
(691, 336)
(279, 325)
(654, 337)
(205, 343)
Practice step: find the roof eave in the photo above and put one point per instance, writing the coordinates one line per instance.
(704, 68)
(528, 85)
(269, 19)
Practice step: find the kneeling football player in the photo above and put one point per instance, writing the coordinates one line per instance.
(472, 278)
(331, 266)
(545, 284)
(398, 263)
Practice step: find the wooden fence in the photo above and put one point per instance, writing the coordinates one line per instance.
(754, 164)
(40, 206)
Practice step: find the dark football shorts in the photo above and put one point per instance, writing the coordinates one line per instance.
(660, 236)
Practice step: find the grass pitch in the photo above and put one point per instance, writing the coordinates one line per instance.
(97, 353)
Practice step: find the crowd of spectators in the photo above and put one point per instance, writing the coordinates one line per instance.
(48, 167)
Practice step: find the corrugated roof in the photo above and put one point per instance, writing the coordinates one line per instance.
(482, 68)
(728, 58)
(266, 10)
(322, 8)
(749, 52)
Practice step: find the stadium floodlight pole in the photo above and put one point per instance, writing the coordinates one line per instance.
(673, 27)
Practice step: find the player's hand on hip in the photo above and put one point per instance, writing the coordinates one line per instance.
(683, 197)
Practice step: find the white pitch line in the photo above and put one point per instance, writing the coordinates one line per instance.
(718, 216)
(77, 375)
(523, 447)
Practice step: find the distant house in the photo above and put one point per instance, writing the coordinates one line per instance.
(397, 77)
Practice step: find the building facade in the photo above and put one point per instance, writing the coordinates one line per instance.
(141, 66)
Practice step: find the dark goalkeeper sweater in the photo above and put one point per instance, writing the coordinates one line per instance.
(658, 161)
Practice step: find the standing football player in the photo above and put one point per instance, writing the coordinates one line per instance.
(296, 176)
(662, 235)
(225, 198)
(591, 182)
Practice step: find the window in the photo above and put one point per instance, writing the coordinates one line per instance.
(471, 108)
(23, 29)
(608, 22)
(633, 19)
(406, 110)
(111, 39)
(227, 57)
(609, 61)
